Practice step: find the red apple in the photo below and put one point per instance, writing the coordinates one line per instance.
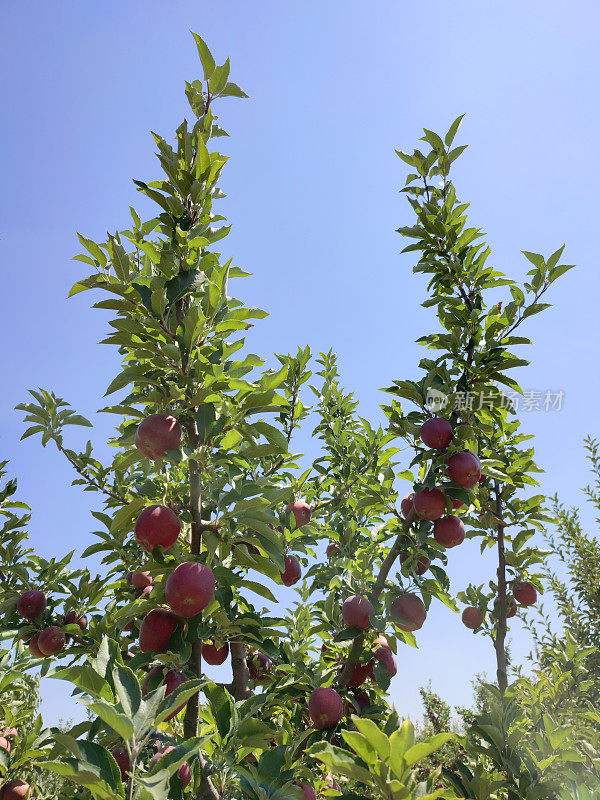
(457, 503)
(51, 640)
(406, 505)
(360, 673)
(356, 611)
(172, 680)
(121, 756)
(184, 771)
(31, 604)
(301, 511)
(156, 629)
(156, 526)
(449, 531)
(408, 612)
(360, 699)
(214, 655)
(525, 593)
(292, 571)
(464, 468)
(472, 617)
(34, 648)
(308, 793)
(429, 504)
(333, 550)
(156, 434)
(511, 606)
(422, 564)
(325, 707)
(141, 580)
(74, 618)
(14, 790)
(382, 641)
(259, 666)
(190, 588)
(385, 655)
(145, 592)
(436, 433)
(5, 744)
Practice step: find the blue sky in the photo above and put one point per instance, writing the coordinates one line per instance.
(312, 190)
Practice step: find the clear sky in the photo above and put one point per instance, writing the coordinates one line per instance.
(312, 190)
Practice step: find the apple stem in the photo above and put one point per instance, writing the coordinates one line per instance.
(500, 638)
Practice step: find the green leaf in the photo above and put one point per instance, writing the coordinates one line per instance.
(374, 736)
(127, 688)
(422, 749)
(206, 58)
(452, 131)
(361, 746)
(178, 698)
(218, 79)
(221, 707)
(117, 721)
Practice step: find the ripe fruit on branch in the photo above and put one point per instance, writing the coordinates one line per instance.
(511, 606)
(172, 680)
(408, 612)
(356, 611)
(472, 617)
(259, 666)
(360, 699)
(429, 504)
(73, 618)
(184, 771)
(214, 655)
(156, 434)
(292, 571)
(190, 588)
(449, 531)
(436, 433)
(121, 756)
(157, 526)
(456, 503)
(308, 793)
(385, 655)
(51, 640)
(464, 468)
(140, 580)
(4, 744)
(333, 550)
(422, 564)
(31, 604)
(301, 511)
(156, 629)
(145, 592)
(325, 707)
(525, 593)
(407, 504)
(34, 648)
(14, 790)
(360, 673)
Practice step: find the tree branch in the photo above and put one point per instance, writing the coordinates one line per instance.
(500, 638)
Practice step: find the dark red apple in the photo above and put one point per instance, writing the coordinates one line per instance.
(436, 433)
(34, 648)
(472, 617)
(145, 592)
(259, 666)
(422, 564)
(4, 744)
(456, 503)
(333, 550)
(360, 673)
(308, 793)
(356, 611)
(360, 699)
(301, 511)
(74, 618)
(292, 571)
(449, 531)
(156, 629)
(385, 655)
(408, 612)
(325, 707)
(31, 604)
(406, 505)
(14, 790)
(214, 655)
(190, 588)
(184, 771)
(464, 468)
(121, 756)
(51, 640)
(525, 593)
(429, 504)
(140, 580)
(156, 526)
(156, 434)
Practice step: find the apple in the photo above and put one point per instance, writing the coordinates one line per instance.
(184, 771)
(34, 648)
(259, 666)
(145, 592)
(464, 468)
(31, 604)
(190, 588)
(5, 744)
(14, 790)
(292, 571)
(382, 641)
(11, 732)
(422, 564)
(121, 756)
(333, 550)
(172, 680)
(360, 673)
(356, 611)
(436, 433)
(429, 504)
(360, 699)
(74, 618)
(51, 640)
(308, 793)
(214, 655)
(156, 434)
(456, 503)
(385, 655)
(141, 580)
(156, 629)
(408, 612)
(449, 531)
(157, 526)
(472, 617)
(301, 511)
(525, 593)
(331, 783)
(406, 505)
(511, 606)
(325, 707)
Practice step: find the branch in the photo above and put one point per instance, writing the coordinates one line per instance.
(344, 489)
(500, 639)
(92, 481)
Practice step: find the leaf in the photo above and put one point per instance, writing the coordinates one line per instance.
(206, 58)
(117, 721)
(374, 736)
(221, 707)
(361, 746)
(178, 698)
(423, 749)
(233, 90)
(452, 131)
(127, 688)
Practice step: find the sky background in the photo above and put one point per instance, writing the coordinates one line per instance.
(312, 189)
